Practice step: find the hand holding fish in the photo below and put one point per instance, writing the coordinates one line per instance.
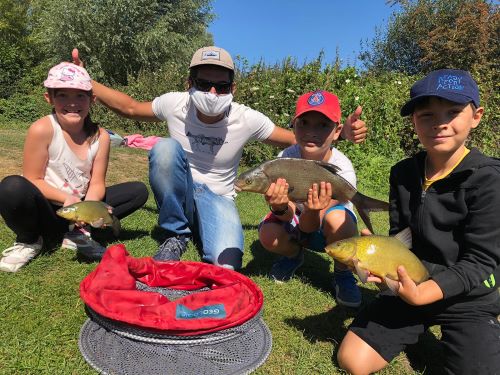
(412, 293)
(417, 295)
(277, 194)
(319, 201)
(71, 199)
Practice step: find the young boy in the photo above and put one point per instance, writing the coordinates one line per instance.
(289, 227)
(449, 196)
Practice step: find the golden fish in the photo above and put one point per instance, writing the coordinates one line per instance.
(95, 213)
(380, 256)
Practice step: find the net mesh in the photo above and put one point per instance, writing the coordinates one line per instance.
(112, 347)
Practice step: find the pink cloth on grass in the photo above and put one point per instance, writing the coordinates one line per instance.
(138, 141)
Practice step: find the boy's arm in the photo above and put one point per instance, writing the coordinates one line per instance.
(417, 295)
(481, 245)
(397, 221)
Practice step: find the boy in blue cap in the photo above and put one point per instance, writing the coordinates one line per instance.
(450, 198)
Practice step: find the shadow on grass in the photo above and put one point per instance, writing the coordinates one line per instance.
(105, 237)
(325, 327)
(425, 355)
(315, 269)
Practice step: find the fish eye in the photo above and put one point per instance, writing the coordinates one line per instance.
(248, 181)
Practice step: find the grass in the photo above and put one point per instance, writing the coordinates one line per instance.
(41, 312)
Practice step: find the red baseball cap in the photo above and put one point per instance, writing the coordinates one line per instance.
(320, 101)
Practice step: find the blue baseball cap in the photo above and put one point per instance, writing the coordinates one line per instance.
(454, 85)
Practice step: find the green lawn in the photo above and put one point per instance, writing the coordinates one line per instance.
(41, 312)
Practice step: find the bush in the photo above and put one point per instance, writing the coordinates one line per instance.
(273, 90)
(23, 107)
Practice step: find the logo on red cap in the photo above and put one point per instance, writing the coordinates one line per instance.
(319, 101)
(316, 98)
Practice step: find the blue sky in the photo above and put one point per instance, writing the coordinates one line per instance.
(275, 29)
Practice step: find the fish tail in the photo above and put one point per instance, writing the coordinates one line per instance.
(116, 226)
(365, 204)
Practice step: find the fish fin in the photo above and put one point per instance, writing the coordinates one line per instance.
(393, 285)
(330, 167)
(405, 237)
(116, 226)
(362, 273)
(365, 204)
(97, 223)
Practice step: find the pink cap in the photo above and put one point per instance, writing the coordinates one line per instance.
(319, 101)
(68, 76)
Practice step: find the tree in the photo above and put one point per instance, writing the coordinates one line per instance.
(431, 34)
(118, 38)
(14, 43)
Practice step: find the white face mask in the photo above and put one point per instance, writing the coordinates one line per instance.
(210, 104)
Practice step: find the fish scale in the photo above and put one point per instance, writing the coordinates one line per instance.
(304, 174)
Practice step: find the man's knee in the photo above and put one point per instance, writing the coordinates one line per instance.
(164, 150)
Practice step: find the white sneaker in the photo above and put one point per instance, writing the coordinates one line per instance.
(18, 255)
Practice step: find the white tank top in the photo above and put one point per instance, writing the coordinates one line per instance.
(66, 171)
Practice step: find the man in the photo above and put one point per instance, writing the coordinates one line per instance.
(192, 172)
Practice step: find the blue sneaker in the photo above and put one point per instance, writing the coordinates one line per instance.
(284, 268)
(172, 248)
(345, 289)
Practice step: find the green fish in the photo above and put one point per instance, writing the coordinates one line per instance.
(95, 213)
(380, 256)
(300, 174)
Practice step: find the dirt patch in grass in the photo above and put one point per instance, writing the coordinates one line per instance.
(127, 165)
(124, 164)
(11, 162)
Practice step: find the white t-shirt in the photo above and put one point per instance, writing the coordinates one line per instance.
(338, 158)
(66, 171)
(213, 150)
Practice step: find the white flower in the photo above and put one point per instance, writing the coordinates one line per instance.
(290, 90)
(398, 82)
(347, 80)
(256, 103)
(356, 98)
(286, 115)
(271, 96)
(254, 88)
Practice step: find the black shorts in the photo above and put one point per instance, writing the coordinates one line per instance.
(470, 330)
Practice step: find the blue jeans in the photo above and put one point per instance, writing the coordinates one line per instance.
(192, 209)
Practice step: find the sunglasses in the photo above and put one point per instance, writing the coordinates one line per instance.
(206, 86)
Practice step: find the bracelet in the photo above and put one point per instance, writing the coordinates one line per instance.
(278, 212)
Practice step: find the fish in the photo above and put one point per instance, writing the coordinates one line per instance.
(380, 256)
(95, 213)
(300, 174)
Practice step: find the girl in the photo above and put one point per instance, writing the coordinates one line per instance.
(65, 161)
